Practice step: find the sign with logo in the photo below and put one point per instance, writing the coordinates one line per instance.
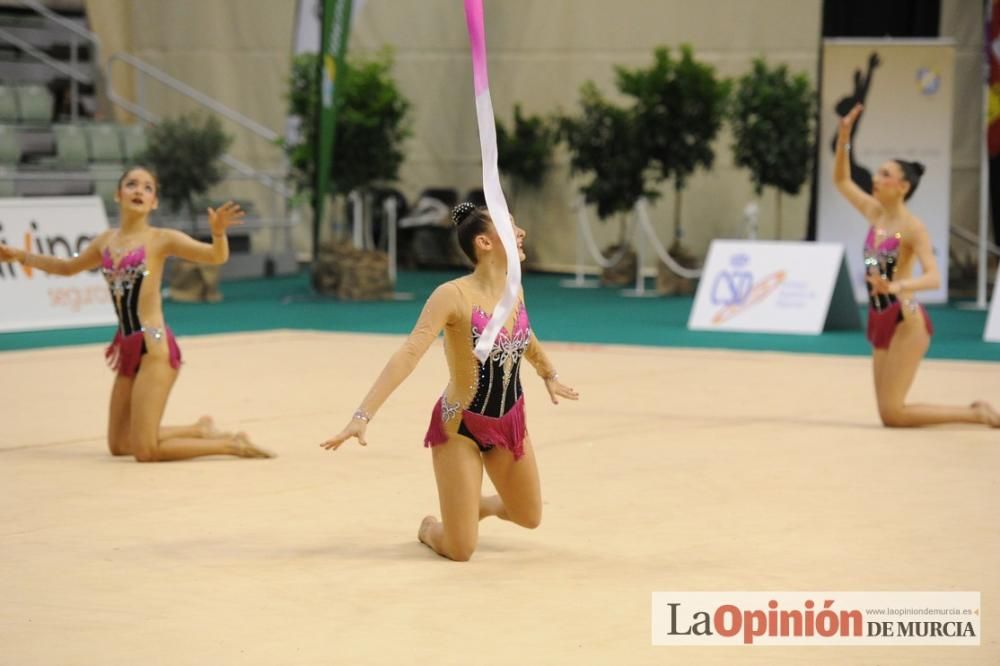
(774, 287)
(831, 618)
(61, 227)
(907, 89)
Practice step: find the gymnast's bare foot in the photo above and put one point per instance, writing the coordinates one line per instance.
(206, 425)
(246, 448)
(425, 525)
(986, 413)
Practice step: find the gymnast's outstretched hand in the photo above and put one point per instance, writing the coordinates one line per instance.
(559, 390)
(847, 122)
(356, 428)
(227, 215)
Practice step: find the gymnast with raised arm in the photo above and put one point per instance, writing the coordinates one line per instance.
(144, 353)
(899, 329)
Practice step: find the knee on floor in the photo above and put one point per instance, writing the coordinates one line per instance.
(119, 447)
(145, 456)
(892, 417)
(145, 451)
(530, 519)
(462, 552)
(458, 547)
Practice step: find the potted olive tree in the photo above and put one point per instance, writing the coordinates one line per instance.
(605, 142)
(373, 121)
(525, 150)
(680, 105)
(186, 153)
(772, 115)
(525, 154)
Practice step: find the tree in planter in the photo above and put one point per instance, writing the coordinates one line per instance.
(372, 123)
(772, 115)
(186, 154)
(525, 151)
(605, 140)
(680, 106)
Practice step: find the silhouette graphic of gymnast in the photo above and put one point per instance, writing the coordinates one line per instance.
(862, 84)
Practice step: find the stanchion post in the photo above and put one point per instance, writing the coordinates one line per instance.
(640, 256)
(580, 281)
(391, 213)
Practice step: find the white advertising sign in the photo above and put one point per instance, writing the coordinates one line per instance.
(774, 287)
(34, 300)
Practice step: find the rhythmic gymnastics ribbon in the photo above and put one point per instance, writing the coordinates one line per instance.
(495, 202)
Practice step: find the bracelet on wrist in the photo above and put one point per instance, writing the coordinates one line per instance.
(361, 415)
(552, 377)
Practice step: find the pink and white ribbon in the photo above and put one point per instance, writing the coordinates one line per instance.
(495, 202)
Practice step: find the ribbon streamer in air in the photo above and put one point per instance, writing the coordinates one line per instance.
(495, 202)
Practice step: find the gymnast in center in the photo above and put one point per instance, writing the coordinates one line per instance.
(479, 420)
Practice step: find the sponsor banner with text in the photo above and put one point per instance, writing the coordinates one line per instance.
(60, 227)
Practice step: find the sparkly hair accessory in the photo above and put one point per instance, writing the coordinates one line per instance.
(462, 211)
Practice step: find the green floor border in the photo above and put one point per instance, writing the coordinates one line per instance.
(601, 316)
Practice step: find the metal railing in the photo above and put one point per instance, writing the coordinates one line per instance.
(65, 70)
(139, 110)
(973, 238)
(71, 71)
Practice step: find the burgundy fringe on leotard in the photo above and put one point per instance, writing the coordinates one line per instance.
(435, 431)
(124, 354)
(882, 324)
(506, 431)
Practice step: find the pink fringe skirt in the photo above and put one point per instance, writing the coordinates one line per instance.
(506, 431)
(882, 324)
(124, 354)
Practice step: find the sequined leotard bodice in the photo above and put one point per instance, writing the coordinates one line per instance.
(881, 258)
(885, 311)
(499, 383)
(484, 401)
(125, 282)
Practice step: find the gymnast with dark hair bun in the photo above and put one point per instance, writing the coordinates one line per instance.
(899, 329)
(479, 419)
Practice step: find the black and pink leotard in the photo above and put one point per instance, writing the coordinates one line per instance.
(126, 280)
(885, 310)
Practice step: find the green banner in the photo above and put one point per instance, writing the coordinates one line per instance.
(336, 29)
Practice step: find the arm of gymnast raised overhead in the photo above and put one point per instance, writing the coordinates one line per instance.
(441, 308)
(865, 203)
(87, 260)
(179, 244)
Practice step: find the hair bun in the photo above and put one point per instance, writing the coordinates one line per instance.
(919, 168)
(462, 211)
